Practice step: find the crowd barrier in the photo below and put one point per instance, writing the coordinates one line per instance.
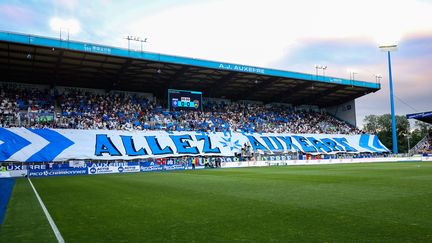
(83, 168)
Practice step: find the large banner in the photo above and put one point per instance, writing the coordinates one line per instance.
(44, 145)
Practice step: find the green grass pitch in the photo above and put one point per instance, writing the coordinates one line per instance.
(382, 202)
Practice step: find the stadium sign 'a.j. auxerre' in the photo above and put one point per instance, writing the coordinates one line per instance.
(42, 145)
(241, 68)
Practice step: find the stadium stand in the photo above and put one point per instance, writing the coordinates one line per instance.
(83, 109)
(87, 88)
(424, 146)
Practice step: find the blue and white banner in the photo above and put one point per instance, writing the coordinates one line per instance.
(155, 166)
(44, 145)
(111, 168)
(150, 166)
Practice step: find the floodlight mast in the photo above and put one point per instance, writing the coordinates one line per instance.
(378, 78)
(352, 73)
(388, 49)
(137, 39)
(322, 67)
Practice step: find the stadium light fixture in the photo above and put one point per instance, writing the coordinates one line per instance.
(352, 73)
(389, 48)
(318, 67)
(137, 39)
(378, 78)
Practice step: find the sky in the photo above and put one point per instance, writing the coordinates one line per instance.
(290, 35)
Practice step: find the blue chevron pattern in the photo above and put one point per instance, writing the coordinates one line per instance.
(57, 144)
(364, 143)
(12, 143)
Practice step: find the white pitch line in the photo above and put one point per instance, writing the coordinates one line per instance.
(48, 216)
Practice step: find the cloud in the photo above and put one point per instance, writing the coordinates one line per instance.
(69, 5)
(411, 69)
(71, 26)
(292, 35)
(411, 79)
(258, 33)
(243, 31)
(16, 13)
(339, 54)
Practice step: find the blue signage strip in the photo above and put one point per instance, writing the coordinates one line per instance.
(114, 51)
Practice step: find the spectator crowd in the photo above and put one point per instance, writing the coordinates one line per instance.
(78, 109)
(425, 145)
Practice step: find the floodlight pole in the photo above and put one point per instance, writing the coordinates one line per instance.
(408, 134)
(388, 49)
(67, 33)
(142, 41)
(135, 38)
(394, 138)
(378, 78)
(128, 38)
(317, 67)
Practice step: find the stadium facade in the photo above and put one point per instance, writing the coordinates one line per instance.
(35, 60)
(41, 60)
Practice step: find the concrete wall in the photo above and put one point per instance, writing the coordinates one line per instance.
(345, 111)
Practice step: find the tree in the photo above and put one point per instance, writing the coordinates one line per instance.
(381, 125)
(371, 124)
(423, 127)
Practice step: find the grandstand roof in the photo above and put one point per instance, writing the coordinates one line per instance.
(42, 60)
(421, 116)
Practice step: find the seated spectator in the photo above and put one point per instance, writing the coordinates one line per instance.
(86, 110)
